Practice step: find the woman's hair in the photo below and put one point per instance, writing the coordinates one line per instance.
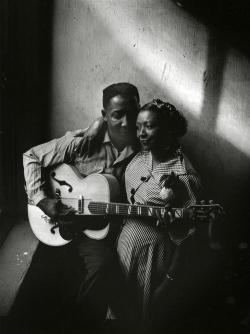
(172, 120)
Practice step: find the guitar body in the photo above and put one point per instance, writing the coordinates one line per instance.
(68, 185)
(97, 195)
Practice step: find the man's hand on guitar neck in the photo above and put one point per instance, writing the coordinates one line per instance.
(54, 208)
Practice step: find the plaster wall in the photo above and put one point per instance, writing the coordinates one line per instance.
(168, 54)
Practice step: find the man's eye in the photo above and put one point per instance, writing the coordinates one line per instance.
(117, 115)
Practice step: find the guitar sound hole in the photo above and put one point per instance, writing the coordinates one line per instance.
(61, 182)
(52, 230)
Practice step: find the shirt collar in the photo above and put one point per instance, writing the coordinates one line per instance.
(125, 153)
(106, 138)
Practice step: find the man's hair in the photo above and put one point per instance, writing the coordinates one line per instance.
(121, 88)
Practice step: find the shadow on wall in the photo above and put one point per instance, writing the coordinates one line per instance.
(216, 158)
(225, 168)
(230, 18)
(29, 90)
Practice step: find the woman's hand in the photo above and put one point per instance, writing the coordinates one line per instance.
(166, 220)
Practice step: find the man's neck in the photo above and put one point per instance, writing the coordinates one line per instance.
(119, 144)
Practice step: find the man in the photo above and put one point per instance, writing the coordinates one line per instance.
(105, 148)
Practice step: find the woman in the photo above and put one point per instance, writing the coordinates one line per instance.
(160, 174)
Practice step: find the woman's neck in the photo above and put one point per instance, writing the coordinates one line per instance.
(160, 155)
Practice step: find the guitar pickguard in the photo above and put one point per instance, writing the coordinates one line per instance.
(68, 185)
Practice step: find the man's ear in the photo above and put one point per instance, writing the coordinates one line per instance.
(104, 114)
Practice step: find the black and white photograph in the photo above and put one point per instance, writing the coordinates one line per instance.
(124, 167)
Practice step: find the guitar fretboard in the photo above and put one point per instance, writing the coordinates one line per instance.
(121, 209)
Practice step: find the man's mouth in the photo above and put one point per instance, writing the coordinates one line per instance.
(124, 132)
(144, 141)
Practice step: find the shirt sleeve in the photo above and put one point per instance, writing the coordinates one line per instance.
(56, 151)
(191, 192)
(76, 133)
(189, 189)
(188, 192)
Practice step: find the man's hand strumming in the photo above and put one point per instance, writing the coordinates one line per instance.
(54, 208)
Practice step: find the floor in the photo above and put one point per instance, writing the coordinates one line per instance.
(30, 293)
(16, 255)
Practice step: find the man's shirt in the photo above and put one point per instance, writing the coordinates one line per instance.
(102, 158)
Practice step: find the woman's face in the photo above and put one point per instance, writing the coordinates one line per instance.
(149, 130)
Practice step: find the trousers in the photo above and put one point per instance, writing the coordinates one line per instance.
(93, 281)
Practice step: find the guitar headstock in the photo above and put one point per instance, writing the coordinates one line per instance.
(203, 211)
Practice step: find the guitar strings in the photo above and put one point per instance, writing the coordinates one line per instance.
(116, 208)
(121, 208)
(127, 209)
(124, 205)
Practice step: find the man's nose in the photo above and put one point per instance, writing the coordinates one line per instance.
(124, 121)
(142, 131)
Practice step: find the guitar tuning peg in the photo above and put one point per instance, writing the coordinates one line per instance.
(211, 201)
(202, 202)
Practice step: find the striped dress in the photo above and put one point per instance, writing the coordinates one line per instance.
(144, 250)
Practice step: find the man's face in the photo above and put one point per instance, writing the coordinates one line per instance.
(120, 115)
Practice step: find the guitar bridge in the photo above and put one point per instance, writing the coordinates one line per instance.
(81, 205)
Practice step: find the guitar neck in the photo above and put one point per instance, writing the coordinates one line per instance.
(102, 208)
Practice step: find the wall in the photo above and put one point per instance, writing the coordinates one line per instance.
(167, 53)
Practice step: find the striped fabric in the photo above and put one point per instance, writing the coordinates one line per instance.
(145, 254)
(148, 192)
(144, 250)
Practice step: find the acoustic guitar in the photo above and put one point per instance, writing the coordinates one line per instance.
(96, 195)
